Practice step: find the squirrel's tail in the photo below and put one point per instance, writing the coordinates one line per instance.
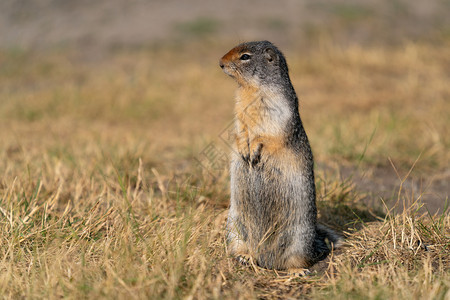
(326, 240)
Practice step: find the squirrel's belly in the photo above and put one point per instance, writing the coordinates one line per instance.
(269, 194)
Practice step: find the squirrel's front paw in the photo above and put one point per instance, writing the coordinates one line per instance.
(255, 156)
(243, 149)
(245, 157)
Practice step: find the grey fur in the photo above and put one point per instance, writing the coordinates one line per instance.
(273, 213)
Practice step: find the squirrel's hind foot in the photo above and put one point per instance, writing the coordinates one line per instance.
(298, 272)
(243, 259)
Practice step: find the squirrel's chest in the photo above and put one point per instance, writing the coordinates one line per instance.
(262, 114)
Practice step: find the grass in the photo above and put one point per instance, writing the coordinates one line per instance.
(101, 196)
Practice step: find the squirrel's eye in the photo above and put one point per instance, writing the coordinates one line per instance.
(244, 57)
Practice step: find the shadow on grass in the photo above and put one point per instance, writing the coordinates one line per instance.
(342, 207)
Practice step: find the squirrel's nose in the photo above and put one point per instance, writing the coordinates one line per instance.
(221, 64)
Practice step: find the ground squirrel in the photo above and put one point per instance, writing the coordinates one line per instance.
(273, 216)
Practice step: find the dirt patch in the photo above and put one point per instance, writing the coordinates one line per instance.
(384, 184)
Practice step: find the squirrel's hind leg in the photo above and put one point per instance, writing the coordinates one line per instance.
(236, 236)
(240, 251)
(296, 266)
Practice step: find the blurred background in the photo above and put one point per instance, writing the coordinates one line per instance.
(43, 24)
(129, 80)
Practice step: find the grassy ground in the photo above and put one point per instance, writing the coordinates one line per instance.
(101, 193)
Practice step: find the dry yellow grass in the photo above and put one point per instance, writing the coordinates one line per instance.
(100, 194)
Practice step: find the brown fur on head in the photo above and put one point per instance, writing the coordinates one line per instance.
(256, 64)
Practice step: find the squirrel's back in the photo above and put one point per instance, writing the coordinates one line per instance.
(273, 216)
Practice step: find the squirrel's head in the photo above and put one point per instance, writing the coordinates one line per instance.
(256, 64)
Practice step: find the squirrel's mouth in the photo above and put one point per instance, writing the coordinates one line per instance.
(228, 71)
(226, 68)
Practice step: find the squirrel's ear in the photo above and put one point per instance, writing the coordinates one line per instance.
(270, 55)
